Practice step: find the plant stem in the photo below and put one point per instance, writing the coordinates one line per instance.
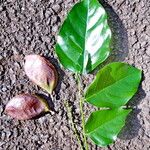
(69, 113)
(83, 123)
(79, 82)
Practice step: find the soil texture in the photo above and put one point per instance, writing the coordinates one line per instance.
(31, 26)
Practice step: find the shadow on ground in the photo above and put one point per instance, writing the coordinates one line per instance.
(119, 45)
(133, 125)
(61, 74)
(119, 53)
(49, 98)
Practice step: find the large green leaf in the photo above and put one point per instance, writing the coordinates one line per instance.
(103, 126)
(84, 38)
(114, 85)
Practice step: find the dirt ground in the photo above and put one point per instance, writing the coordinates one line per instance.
(31, 26)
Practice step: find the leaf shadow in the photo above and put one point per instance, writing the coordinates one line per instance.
(119, 51)
(119, 44)
(48, 100)
(61, 74)
(132, 125)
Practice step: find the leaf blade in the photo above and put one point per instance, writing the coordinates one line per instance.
(103, 126)
(84, 38)
(114, 85)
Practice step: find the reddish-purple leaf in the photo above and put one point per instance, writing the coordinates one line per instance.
(26, 106)
(41, 72)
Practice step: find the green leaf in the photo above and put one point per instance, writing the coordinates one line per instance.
(84, 38)
(114, 85)
(103, 126)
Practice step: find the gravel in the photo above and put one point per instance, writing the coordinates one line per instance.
(28, 27)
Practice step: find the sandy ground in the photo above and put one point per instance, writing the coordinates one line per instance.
(31, 26)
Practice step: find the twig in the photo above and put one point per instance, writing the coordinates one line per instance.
(69, 113)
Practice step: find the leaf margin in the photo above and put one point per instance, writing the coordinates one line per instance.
(128, 111)
(95, 64)
(97, 76)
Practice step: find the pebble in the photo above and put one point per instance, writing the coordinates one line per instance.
(60, 134)
(65, 129)
(15, 132)
(33, 19)
(33, 1)
(4, 89)
(1, 57)
(42, 120)
(8, 133)
(56, 7)
(1, 8)
(35, 138)
(3, 135)
(148, 51)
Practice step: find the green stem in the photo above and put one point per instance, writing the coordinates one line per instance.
(83, 123)
(81, 111)
(69, 112)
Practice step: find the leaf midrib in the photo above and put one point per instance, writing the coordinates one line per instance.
(84, 51)
(109, 86)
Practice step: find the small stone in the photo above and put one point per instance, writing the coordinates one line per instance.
(1, 109)
(56, 7)
(1, 69)
(1, 8)
(65, 129)
(1, 57)
(16, 64)
(42, 120)
(143, 44)
(35, 138)
(13, 79)
(15, 50)
(8, 133)
(148, 51)
(3, 135)
(51, 120)
(55, 28)
(15, 132)
(4, 89)
(60, 134)
(33, 1)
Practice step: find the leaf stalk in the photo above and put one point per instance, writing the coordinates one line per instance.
(79, 82)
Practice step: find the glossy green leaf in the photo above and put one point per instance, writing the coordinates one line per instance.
(84, 38)
(114, 85)
(103, 126)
